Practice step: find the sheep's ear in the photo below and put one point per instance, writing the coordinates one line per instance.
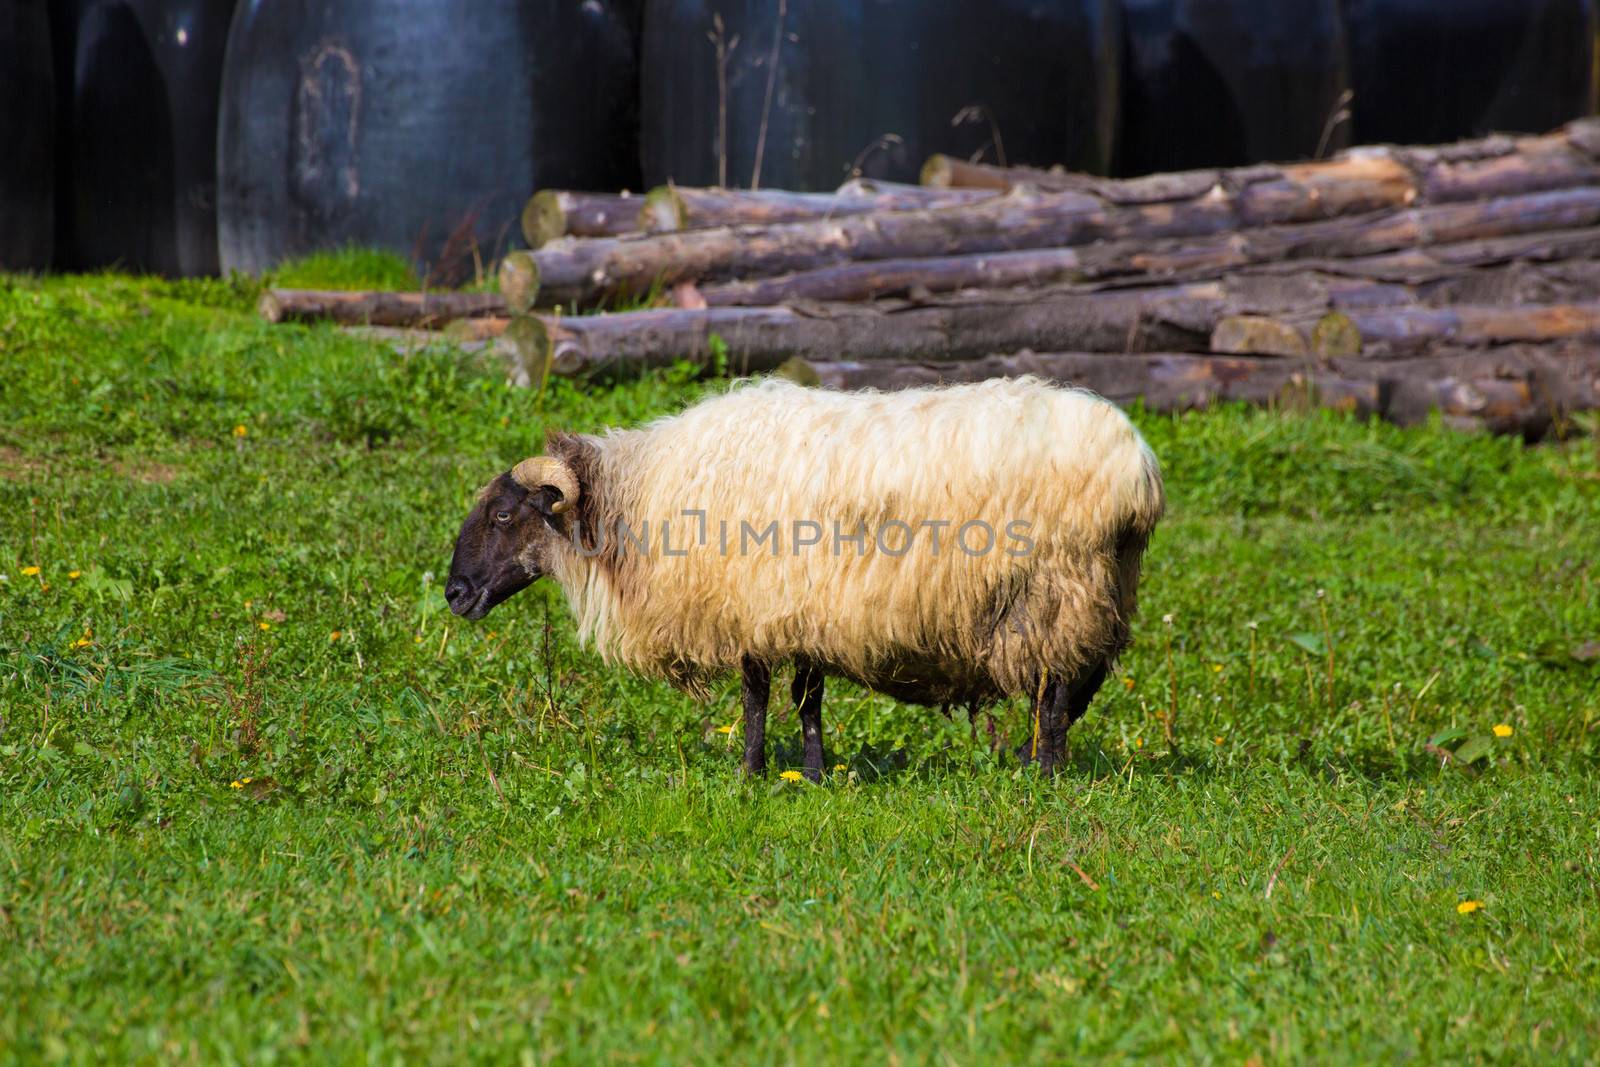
(547, 500)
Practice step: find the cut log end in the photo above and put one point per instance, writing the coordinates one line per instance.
(937, 171)
(663, 211)
(1257, 335)
(544, 348)
(271, 308)
(950, 173)
(530, 338)
(800, 371)
(1584, 135)
(544, 218)
(1336, 334)
(519, 281)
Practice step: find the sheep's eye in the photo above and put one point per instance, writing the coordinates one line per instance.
(502, 517)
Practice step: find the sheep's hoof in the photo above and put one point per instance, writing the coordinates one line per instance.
(1048, 762)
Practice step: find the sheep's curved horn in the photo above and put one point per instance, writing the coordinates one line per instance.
(540, 471)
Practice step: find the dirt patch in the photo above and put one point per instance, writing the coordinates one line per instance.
(147, 470)
(14, 466)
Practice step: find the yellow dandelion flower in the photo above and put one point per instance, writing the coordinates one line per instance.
(1216, 895)
(247, 604)
(29, 572)
(264, 625)
(247, 781)
(74, 575)
(838, 766)
(728, 729)
(1138, 742)
(335, 636)
(235, 784)
(240, 430)
(1467, 907)
(1217, 740)
(1127, 683)
(790, 776)
(1503, 730)
(82, 642)
(1216, 668)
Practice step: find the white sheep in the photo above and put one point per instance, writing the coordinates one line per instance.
(940, 545)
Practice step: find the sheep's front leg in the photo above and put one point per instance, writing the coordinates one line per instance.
(1043, 712)
(808, 698)
(1063, 707)
(757, 686)
(1053, 728)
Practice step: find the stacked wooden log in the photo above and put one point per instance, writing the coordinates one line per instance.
(1394, 281)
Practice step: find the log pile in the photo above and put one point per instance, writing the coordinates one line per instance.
(1389, 281)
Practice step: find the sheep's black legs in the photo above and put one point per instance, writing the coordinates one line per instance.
(1047, 733)
(757, 688)
(1082, 694)
(1039, 727)
(1051, 717)
(808, 698)
(994, 734)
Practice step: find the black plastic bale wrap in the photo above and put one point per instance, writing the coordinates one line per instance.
(27, 100)
(421, 126)
(1427, 72)
(138, 181)
(873, 87)
(1208, 83)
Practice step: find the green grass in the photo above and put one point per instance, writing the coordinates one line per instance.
(455, 842)
(348, 268)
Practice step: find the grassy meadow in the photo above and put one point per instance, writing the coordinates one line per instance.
(264, 800)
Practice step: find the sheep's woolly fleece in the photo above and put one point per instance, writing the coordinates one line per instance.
(924, 626)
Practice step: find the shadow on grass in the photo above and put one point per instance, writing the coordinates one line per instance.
(1091, 762)
(1374, 766)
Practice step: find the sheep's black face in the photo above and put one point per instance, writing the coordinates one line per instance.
(500, 549)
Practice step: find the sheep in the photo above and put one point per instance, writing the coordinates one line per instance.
(943, 545)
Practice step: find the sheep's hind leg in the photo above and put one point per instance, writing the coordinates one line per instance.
(808, 698)
(1082, 693)
(996, 742)
(757, 686)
